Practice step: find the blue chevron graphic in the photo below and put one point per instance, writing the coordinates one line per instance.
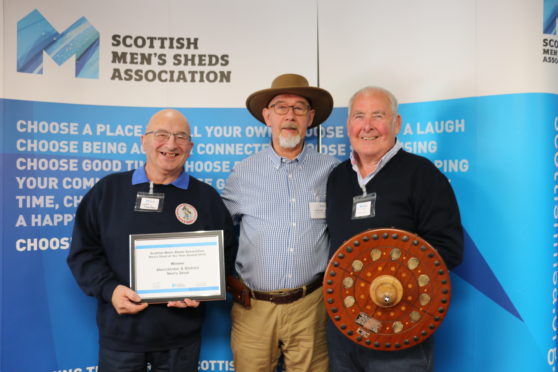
(475, 270)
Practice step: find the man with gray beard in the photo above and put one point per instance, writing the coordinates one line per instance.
(277, 196)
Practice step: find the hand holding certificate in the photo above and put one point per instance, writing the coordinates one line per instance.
(173, 266)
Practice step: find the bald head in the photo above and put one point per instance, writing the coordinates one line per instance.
(167, 145)
(168, 116)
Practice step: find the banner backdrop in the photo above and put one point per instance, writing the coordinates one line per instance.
(478, 90)
(478, 83)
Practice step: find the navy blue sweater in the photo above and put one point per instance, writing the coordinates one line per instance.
(99, 257)
(411, 194)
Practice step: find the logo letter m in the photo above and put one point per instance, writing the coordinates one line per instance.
(35, 35)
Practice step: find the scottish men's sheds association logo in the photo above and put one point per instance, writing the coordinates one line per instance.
(550, 17)
(35, 35)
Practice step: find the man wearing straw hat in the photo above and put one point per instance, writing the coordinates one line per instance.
(278, 198)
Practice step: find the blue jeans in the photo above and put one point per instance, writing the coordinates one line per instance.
(347, 356)
(184, 359)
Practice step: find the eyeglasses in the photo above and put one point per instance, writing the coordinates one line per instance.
(282, 109)
(163, 136)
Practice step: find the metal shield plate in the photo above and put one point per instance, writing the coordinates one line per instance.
(387, 289)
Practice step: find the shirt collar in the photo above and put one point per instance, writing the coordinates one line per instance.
(383, 161)
(277, 160)
(182, 182)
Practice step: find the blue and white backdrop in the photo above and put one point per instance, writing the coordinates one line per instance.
(478, 86)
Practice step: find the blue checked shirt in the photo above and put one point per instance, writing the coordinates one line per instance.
(280, 245)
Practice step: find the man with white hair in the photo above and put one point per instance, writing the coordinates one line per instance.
(380, 186)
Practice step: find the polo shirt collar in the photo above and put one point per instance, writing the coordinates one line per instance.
(182, 182)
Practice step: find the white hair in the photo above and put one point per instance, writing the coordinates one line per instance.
(372, 89)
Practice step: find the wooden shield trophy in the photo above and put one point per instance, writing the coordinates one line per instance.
(387, 289)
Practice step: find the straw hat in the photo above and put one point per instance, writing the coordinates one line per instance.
(319, 99)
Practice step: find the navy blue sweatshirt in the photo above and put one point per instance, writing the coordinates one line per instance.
(411, 194)
(99, 257)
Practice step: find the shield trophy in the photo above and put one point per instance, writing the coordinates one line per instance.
(387, 289)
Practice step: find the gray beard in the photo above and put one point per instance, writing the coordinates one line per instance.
(290, 142)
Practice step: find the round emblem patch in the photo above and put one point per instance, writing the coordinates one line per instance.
(186, 214)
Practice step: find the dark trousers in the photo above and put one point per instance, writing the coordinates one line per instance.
(184, 359)
(347, 356)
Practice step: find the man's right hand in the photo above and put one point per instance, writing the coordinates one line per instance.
(126, 301)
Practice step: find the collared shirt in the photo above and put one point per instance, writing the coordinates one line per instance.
(139, 176)
(280, 245)
(383, 161)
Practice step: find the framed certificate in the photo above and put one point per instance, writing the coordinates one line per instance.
(173, 266)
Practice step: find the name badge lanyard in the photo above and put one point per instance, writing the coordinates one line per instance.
(364, 206)
(149, 201)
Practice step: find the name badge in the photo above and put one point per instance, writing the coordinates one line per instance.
(149, 202)
(317, 210)
(364, 206)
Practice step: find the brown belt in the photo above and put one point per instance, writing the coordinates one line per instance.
(288, 296)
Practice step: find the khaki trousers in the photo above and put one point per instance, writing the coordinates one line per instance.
(296, 330)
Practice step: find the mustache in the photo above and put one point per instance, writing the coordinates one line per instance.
(289, 126)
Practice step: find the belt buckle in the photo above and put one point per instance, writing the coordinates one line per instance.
(274, 296)
(285, 297)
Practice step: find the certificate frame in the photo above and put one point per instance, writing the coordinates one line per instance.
(173, 266)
